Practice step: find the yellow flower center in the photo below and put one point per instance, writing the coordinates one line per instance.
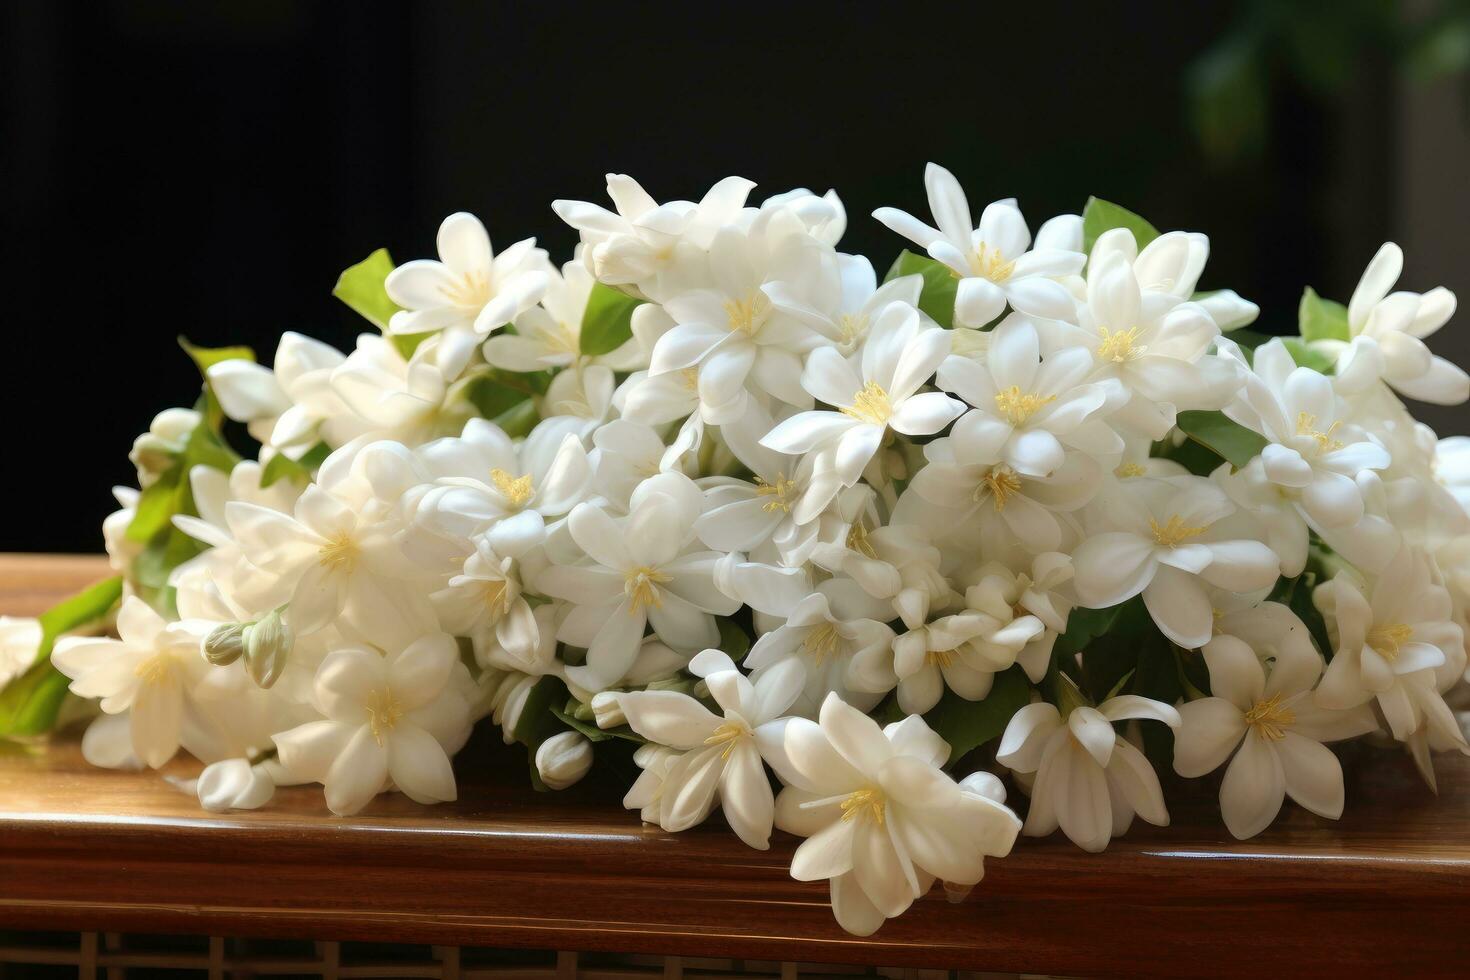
(729, 735)
(1389, 640)
(340, 553)
(822, 642)
(641, 587)
(470, 291)
(155, 670)
(384, 712)
(497, 597)
(1000, 484)
(941, 658)
(869, 802)
(1173, 532)
(748, 315)
(779, 493)
(1129, 469)
(857, 540)
(690, 377)
(1118, 345)
(515, 489)
(1270, 718)
(987, 262)
(853, 326)
(1306, 425)
(1018, 406)
(870, 404)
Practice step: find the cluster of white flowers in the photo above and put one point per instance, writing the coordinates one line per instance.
(1031, 504)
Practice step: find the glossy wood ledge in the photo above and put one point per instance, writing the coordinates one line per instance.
(1387, 888)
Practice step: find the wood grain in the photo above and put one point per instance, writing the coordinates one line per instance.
(1387, 888)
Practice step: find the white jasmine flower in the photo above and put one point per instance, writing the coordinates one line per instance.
(873, 394)
(387, 397)
(1027, 411)
(720, 755)
(1386, 332)
(845, 300)
(387, 718)
(290, 407)
(1384, 635)
(549, 335)
(469, 292)
(1279, 731)
(485, 601)
(991, 261)
(1156, 540)
(1088, 781)
(881, 820)
(20, 639)
(234, 784)
(151, 672)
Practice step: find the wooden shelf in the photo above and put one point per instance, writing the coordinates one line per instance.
(1385, 888)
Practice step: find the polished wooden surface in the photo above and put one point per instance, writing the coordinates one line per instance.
(1387, 888)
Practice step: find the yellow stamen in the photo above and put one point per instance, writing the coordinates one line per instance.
(941, 658)
(470, 291)
(1017, 406)
(865, 801)
(870, 405)
(1270, 718)
(778, 491)
(155, 670)
(822, 642)
(690, 377)
(1174, 531)
(1129, 469)
(1000, 484)
(515, 489)
(497, 597)
(748, 315)
(988, 263)
(1389, 640)
(339, 554)
(853, 326)
(857, 540)
(728, 735)
(1118, 345)
(641, 587)
(1306, 425)
(384, 712)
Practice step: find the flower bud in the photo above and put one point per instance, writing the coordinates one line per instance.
(985, 784)
(607, 711)
(563, 759)
(234, 784)
(267, 645)
(224, 644)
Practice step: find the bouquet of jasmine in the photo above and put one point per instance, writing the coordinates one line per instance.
(827, 553)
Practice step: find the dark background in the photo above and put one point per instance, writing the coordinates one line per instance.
(208, 169)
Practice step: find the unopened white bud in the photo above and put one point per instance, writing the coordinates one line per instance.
(607, 711)
(267, 646)
(234, 784)
(984, 784)
(224, 644)
(563, 759)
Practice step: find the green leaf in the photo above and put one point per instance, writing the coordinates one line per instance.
(1228, 439)
(299, 470)
(1083, 625)
(607, 323)
(361, 287)
(1306, 357)
(966, 725)
(1157, 677)
(1248, 340)
(1100, 216)
(30, 702)
(940, 284)
(518, 420)
(1321, 319)
(590, 729)
(157, 504)
(539, 720)
(733, 640)
(207, 357)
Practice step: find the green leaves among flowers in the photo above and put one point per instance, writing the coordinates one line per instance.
(1321, 319)
(300, 470)
(1308, 357)
(967, 725)
(1227, 439)
(361, 287)
(940, 285)
(508, 399)
(607, 322)
(207, 357)
(30, 702)
(540, 719)
(1100, 216)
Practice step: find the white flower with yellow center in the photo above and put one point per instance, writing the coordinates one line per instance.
(1088, 780)
(151, 672)
(1027, 411)
(549, 335)
(1278, 729)
(643, 570)
(469, 292)
(1386, 635)
(843, 301)
(882, 820)
(388, 720)
(1153, 536)
(720, 759)
(485, 601)
(991, 262)
(873, 393)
